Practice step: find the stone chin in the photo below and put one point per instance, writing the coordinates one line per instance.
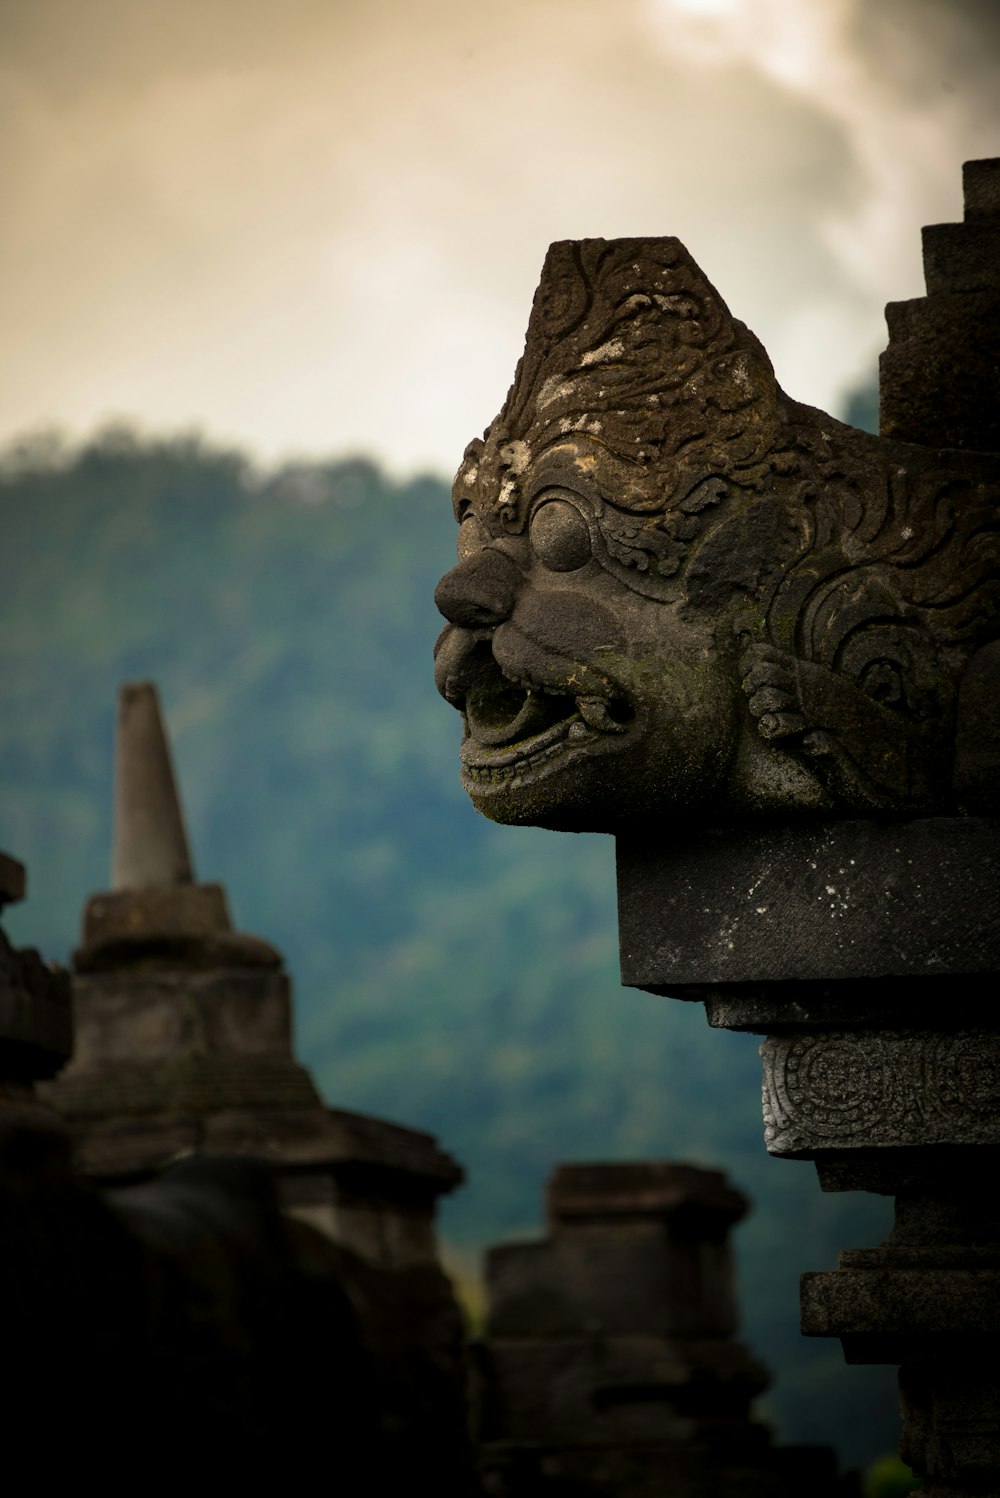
(573, 780)
(590, 739)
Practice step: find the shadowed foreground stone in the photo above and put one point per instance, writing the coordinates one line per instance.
(610, 1365)
(36, 1026)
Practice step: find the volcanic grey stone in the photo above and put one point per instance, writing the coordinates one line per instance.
(864, 1089)
(682, 596)
(981, 187)
(610, 1359)
(150, 844)
(184, 1039)
(814, 902)
(12, 880)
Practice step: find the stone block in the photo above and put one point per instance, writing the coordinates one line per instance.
(816, 902)
(962, 257)
(664, 1190)
(156, 1016)
(895, 1003)
(939, 375)
(36, 1016)
(887, 1314)
(593, 1390)
(12, 880)
(981, 187)
(877, 1089)
(910, 1170)
(624, 1278)
(186, 923)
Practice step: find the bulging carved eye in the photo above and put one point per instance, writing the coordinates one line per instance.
(560, 537)
(472, 537)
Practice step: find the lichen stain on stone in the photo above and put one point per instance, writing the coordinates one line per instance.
(516, 454)
(603, 355)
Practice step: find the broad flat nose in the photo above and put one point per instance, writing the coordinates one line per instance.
(479, 593)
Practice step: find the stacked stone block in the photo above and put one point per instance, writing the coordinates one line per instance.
(610, 1364)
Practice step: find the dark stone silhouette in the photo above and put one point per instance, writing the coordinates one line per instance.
(763, 649)
(610, 1365)
(278, 1285)
(183, 1038)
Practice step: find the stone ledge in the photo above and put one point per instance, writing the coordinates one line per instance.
(859, 1089)
(189, 1085)
(645, 1189)
(884, 1003)
(766, 903)
(147, 1017)
(13, 880)
(594, 1389)
(901, 1303)
(36, 1016)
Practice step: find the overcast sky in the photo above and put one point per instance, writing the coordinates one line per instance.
(315, 226)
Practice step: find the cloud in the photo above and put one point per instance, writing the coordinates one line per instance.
(318, 227)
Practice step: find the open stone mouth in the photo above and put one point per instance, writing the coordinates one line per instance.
(514, 727)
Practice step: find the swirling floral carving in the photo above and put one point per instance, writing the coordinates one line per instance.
(863, 1088)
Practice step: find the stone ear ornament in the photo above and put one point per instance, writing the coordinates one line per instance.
(765, 576)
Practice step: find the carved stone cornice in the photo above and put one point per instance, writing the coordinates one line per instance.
(868, 1089)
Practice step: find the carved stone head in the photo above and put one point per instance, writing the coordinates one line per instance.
(682, 594)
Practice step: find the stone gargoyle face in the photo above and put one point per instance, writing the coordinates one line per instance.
(681, 595)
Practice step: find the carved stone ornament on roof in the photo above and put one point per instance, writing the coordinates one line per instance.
(679, 589)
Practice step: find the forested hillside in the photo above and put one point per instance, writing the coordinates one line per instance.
(450, 974)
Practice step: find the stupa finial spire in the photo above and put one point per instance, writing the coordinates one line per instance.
(150, 845)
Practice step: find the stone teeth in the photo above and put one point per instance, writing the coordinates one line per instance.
(594, 712)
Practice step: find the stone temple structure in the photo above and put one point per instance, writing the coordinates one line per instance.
(610, 1365)
(183, 1037)
(763, 649)
(297, 1241)
(36, 1026)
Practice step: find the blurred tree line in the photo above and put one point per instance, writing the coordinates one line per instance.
(450, 974)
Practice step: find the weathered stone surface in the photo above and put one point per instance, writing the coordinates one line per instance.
(12, 880)
(930, 383)
(609, 1357)
(812, 902)
(184, 1041)
(940, 376)
(906, 1171)
(951, 1414)
(963, 258)
(734, 1461)
(681, 594)
(150, 844)
(36, 1016)
(891, 1312)
(861, 1089)
(158, 1016)
(598, 1390)
(187, 922)
(895, 1003)
(634, 1250)
(661, 1191)
(36, 1035)
(764, 650)
(981, 187)
(155, 912)
(621, 1278)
